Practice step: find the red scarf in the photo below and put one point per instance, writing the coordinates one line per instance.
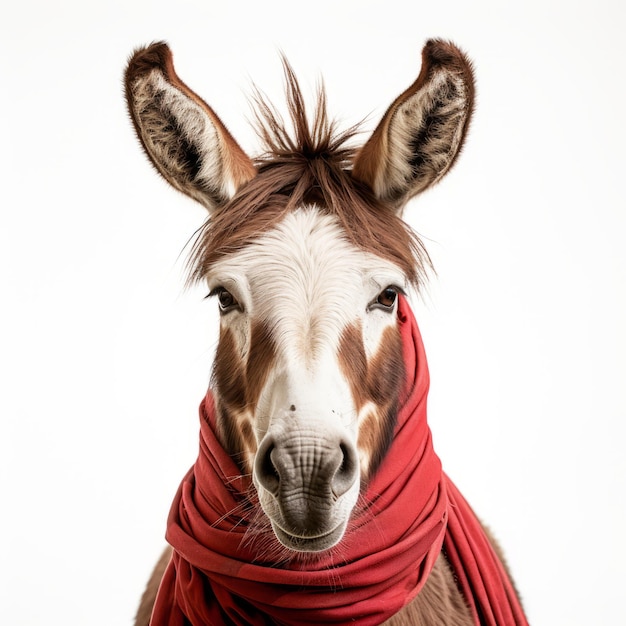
(411, 511)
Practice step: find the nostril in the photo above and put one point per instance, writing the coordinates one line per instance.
(347, 472)
(266, 471)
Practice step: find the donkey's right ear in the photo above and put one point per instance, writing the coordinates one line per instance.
(182, 136)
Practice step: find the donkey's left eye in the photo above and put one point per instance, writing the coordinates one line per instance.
(386, 299)
(226, 300)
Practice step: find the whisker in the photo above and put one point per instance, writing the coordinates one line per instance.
(234, 512)
(231, 479)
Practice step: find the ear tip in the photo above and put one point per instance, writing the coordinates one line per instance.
(155, 55)
(438, 52)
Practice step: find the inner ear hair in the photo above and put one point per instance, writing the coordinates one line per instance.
(182, 136)
(421, 134)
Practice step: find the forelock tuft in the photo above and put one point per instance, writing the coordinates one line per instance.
(307, 162)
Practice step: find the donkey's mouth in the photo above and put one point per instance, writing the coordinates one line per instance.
(316, 543)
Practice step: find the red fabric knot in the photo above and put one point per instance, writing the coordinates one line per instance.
(222, 573)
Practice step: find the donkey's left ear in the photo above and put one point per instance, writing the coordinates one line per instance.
(182, 136)
(422, 132)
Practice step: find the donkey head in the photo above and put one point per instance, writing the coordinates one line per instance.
(306, 254)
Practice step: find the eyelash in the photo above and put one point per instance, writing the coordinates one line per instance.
(227, 302)
(385, 293)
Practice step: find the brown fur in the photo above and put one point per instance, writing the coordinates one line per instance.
(378, 382)
(238, 383)
(144, 612)
(439, 603)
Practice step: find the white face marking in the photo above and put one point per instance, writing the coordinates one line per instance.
(306, 283)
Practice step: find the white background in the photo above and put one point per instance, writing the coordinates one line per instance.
(104, 356)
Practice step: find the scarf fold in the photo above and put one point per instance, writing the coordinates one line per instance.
(221, 572)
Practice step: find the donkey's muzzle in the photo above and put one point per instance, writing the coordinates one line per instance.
(306, 474)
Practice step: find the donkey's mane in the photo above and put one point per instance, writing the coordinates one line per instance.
(309, 164)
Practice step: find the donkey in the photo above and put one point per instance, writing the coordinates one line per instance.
(316, 496)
